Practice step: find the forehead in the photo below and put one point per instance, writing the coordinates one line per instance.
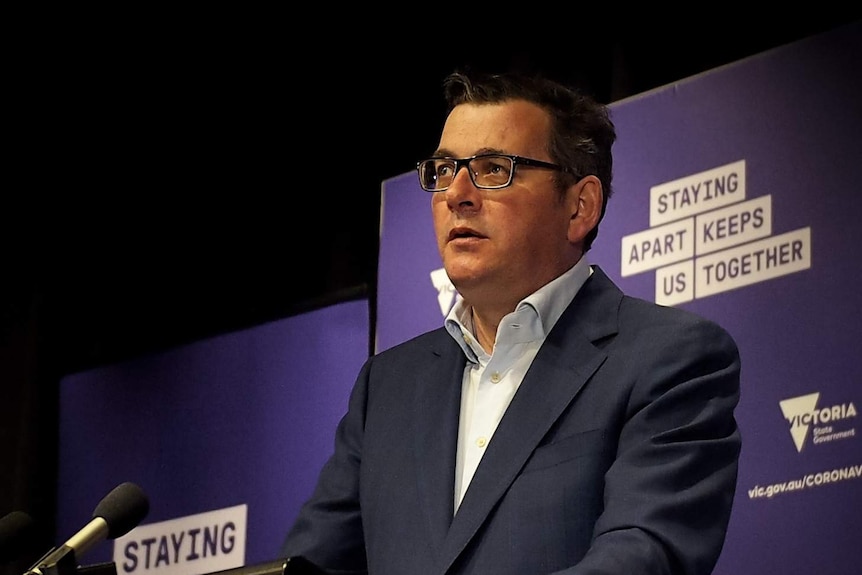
(515, 127)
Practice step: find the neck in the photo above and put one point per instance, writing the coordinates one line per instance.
(485, 329)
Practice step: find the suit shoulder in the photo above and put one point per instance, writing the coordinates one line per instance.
(650, 317)
(631, 312)
(433, 339)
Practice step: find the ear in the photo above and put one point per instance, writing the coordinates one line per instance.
(585, 205)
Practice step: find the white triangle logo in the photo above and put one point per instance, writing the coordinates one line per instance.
(793, 410)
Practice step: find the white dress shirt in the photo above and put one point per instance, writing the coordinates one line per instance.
(491, 380)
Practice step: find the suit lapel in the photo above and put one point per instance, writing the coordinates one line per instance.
(436, 413)
(564, 363)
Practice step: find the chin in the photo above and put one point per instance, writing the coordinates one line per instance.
(463, 277)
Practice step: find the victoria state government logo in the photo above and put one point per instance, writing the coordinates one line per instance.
(827, 424)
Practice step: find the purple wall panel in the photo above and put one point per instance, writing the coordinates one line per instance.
(243, 418)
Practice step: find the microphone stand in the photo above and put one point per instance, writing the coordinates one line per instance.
(57, 561)
(61, 561)
(98, 569)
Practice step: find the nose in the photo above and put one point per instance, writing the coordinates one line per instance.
(462, 192)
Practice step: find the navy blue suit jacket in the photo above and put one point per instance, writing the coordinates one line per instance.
(618, 454)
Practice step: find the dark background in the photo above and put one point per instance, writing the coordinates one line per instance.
(170, 182)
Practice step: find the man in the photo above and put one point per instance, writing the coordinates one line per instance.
(553, 425)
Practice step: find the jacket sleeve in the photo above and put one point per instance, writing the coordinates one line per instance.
(328, 531)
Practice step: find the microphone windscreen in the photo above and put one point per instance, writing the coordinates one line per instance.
(17, 534)
(123, 509)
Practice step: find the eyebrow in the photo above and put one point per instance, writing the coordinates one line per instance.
(445, 153)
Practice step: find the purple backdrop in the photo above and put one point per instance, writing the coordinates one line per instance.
(783, 131)
(243, 418)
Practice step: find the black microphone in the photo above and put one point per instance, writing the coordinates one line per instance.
(118, 513)
(17, 535)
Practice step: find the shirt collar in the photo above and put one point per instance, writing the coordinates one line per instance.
(548, 303)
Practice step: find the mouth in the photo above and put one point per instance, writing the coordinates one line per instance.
(461, 233)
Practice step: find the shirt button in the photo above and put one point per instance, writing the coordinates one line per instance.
(495, 377)
(481, 442)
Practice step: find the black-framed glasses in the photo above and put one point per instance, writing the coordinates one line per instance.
(487, 171)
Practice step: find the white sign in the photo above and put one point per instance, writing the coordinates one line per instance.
(191, 545)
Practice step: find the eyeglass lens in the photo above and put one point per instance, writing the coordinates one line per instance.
(485, 171)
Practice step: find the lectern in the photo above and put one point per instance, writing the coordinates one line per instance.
(287, 566)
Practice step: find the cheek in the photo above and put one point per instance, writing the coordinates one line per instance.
(538, 225)
(438, 204)
(439, 215)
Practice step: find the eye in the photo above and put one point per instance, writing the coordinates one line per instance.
(492, 171)
(495, 167)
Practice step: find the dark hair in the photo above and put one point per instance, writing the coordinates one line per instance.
(582, 132)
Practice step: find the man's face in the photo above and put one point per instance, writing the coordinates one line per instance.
(501, 245)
